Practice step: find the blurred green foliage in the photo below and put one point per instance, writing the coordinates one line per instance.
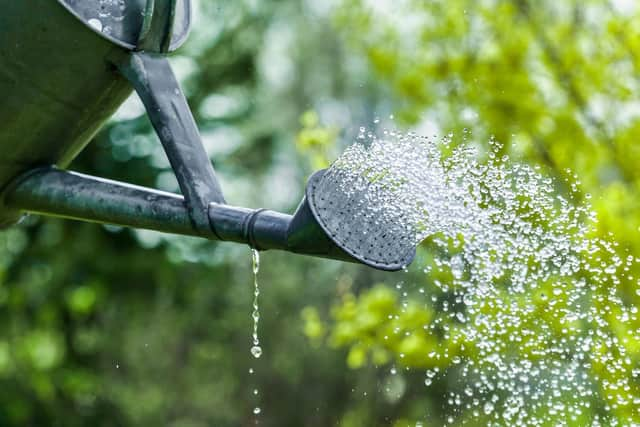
(104, 326)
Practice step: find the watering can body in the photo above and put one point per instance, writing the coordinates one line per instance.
(65, 67)
(57, 89)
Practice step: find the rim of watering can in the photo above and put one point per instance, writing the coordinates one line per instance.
(175, 44)
(312, 184)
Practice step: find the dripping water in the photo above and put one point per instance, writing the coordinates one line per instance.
(256, 350)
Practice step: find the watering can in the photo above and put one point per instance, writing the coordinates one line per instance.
(65, 68)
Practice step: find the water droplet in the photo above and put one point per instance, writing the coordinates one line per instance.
(488, 408)
(257, 410)
(95, 23)
(256, 351)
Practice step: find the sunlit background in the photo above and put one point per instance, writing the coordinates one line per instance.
(104, 326)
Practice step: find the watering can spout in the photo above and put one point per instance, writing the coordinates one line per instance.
(54, 192)
(309, 231)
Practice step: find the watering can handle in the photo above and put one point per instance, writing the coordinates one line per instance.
(154, 81)
(157, 26)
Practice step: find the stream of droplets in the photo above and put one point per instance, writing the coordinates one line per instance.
(535, 314)
(256, 350)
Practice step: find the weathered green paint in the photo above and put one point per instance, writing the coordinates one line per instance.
(57, 87)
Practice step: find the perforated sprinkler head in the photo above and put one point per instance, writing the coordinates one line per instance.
(360, 225)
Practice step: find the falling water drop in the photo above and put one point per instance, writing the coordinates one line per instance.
(256, 351)
(488, 408)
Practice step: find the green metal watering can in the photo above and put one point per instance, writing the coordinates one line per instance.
(65, 68)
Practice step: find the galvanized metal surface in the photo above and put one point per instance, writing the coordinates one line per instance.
(54, 192)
